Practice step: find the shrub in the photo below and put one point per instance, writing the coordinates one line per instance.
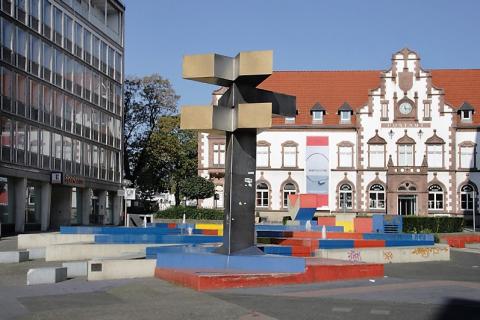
(190, 213)
(432, 224)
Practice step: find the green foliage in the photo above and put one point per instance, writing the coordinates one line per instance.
(146, 100)
(197, 187)
(190, 213)
(413, 224)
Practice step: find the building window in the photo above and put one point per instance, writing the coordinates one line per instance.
(435, 197)
(466, 115)
(376, 196)
(346, 197)
(262, 195)
(289, 120)
(317, 116)
(289, 151)
(426, 111)
(384, 111)
(467, 156)
(376, 155)
(467, 196)
(405, 155)
(218, 154)
(345, 155)
(345, 116)
(263, 155)
(288, 189)
(435, 155)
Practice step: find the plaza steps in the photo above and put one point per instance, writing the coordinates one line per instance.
(317, 270)
(459, 240)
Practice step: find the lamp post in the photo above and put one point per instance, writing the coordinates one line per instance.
(474, 205)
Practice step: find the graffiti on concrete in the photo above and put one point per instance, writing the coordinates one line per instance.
(388, 255)
(426, 252)
(354, 256)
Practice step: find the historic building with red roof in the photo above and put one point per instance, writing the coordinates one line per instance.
(400, 141)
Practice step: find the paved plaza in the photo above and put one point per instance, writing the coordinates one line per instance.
(429, 290)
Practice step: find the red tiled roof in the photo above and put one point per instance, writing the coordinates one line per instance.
(332, 88)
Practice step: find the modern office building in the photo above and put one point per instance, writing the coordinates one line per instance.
(61, 76)
(401, 141)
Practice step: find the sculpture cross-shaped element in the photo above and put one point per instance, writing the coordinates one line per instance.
(240, 112)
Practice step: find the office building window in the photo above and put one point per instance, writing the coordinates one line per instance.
(467, 196)
(33, 146)
(435, 155)
(6, 139)
(289, 154)
(47, 19)
(46, 143)
(345, 155)
(405, 154)
(34, 58)
(68, 33)
(263, 155)
(467, 155)
(58, 25)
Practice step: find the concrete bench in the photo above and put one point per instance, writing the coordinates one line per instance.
(36, 253)
(76, 268)
(13, 256)
(46, 275)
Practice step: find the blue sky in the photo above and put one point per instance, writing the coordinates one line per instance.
(304, 34)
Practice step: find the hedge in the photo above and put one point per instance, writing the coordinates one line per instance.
(432, 224)
(190, 213)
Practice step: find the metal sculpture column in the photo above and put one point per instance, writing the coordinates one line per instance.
(240, 112)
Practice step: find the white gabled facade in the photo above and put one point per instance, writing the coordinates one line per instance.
(406, 150)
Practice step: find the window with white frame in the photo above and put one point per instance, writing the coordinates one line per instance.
(289, 155)
(467, 156)
(384, 110)
(345, 156)
(466, 115)
(288, 189)
(376, 155)
(426, 110)
(263, 195)
(405, 155)
(376, 195)
(467, 196)
(435, 197)
(218, 154)
(263, 155)
(435, 155)
(345, 196)
(317, 116)
(289, 120)
(345, 116)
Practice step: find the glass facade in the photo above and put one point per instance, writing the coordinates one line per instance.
(61, 91)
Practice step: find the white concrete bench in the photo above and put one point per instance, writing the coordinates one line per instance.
(46, 275)
(13, 256)
(36, 253)
(76, 268)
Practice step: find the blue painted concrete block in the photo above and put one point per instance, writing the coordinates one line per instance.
(281, 250)
(398, 236)
(305, 214)
(151, 238)
(406, 243)
(335, 244)
(218, 262)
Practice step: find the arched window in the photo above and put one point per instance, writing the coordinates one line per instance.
(435, 197)
(288, 189)
(467, 194)
(377, 196)
(346, 196)
(262, 195)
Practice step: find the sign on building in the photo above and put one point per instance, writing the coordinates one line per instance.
(317, 168)
(56, 178)
(130, 193)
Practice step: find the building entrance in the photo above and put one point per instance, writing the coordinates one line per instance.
(95, 217)
(407, 205)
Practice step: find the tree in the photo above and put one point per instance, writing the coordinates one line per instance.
(171, 156)
(146, 100)
(197, 188)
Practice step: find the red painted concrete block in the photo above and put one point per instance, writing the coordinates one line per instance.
(326, 221)
(210, 232)
(318, 270)
(172, 225)
(368, 243)
(363, 225)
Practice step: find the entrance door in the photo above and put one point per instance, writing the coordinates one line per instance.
(407, 205)
(95, 217)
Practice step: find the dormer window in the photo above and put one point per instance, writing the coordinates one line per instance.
(466, 115)
(317, 116)
(345, 116)
(345, 112)
(466, 112)
(317, 112)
